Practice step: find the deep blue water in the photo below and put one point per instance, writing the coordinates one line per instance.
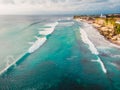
(63, 62)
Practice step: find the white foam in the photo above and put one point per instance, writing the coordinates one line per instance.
(52, 24)
(92, 48)
(102, 65)
(47, 31)
(114, 45)
(9, 65)
(115, 65)
(115, 56)
(35, 45)
(38, 43)
(67, 23)
(66, 18)
(41, 41)
(69, 18)
(95, 35)
(87, 41)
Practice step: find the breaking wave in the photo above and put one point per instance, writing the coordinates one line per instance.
(92, 48)
(35, 45)
(50, 30)
(39, 42)
(13, 63)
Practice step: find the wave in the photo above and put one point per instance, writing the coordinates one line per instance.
(35, 45)
(13, 63)
(114, 56)
(30, 25)
(41, 40)
(66, 19)
(38, 43)
(69, 18)
(47, 31)
(52, 24)
(92, 48)
(101, 63)
(67, 23)
(95, 35)
(87, 41)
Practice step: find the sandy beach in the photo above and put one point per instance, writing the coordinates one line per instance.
(107, 32)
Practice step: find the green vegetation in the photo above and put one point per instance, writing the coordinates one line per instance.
(110, 21)
(117, 28)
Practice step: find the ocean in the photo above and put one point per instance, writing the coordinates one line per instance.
(55, 53)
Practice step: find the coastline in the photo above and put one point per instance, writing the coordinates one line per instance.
(109, 39)
(98, 29)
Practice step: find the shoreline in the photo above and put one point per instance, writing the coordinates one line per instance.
(110, 40)
(116, 43)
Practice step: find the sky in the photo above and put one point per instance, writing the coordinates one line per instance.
(58, 6)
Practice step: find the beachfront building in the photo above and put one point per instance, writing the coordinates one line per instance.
(102, 16)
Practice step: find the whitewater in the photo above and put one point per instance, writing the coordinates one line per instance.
(35, 45)
(92, 49)
(40, 41)
(55, 53)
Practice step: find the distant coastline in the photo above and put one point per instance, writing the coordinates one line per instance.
(107, 25)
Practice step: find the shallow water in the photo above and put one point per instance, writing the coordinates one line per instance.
(63, 62)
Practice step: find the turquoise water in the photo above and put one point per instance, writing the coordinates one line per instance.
(63, 62)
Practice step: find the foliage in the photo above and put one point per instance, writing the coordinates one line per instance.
(117, 28)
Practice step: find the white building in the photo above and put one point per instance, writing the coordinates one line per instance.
(102, 16)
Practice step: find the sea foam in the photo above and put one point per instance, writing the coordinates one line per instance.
(87, 41)
(12, 64)
(38, 43)
(41, 40)
(67, 23)
(35, 45)
(50, 30)
(92, 48)
(46, 31)
(101, 63)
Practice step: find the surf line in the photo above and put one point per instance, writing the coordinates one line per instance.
(41, 40)
(35, 45)
(14, 63)
(50, 30)
(38, 43)
(92, 48)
